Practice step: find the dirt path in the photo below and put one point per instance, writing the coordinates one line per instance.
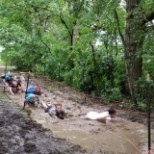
(123, 136)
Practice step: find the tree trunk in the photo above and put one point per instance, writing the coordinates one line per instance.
(133, 44)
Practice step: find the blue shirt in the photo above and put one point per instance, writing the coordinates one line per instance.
(7, 76)
(31, 90)
(30, 98)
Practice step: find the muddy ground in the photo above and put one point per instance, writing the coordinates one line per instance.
(21, 134)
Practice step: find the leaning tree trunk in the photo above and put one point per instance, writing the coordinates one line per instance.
(133, 44)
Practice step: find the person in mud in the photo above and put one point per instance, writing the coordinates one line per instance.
(32, 100)
(5, 76)
(34, 90)
(104, 117)
(14, 85)
(55, 110)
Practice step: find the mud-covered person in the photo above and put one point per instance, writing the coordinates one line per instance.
(32, 100)
(56, 111)
(11, 83)
(34, 90)
(105, 117)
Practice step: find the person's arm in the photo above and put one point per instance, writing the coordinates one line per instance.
(38, 103)
(108, 120)
(105, 120)
(44, 105)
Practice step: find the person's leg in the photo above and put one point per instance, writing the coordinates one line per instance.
(20, 89)
(6, 84)
(14, 86)
(8, 87)
(11, 91)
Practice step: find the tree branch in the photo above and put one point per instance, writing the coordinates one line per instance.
(118, 24)
(66, 26)
(46, 46)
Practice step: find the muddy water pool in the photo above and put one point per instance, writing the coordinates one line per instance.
(122, 136)
(125, 136)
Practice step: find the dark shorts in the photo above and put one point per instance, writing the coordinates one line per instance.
(30, 101)
(48, 108)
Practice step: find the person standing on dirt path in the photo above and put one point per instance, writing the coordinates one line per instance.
(104, 117)
(32, 100)
(55, 110)
(34, 90)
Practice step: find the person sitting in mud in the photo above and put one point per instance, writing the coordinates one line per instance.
(32, 100)
(34, 90)
(104, 117)
(13, 84)
(55, 110)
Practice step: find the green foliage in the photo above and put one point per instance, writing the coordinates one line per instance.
(77, 42)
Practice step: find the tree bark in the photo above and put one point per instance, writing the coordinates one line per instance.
(133, 44)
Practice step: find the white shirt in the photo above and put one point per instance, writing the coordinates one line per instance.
(95, 115)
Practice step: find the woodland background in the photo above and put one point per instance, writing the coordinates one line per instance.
(101, 47)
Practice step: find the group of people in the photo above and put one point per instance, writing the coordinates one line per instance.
(13, 84)
(32, 99)
(54, 110)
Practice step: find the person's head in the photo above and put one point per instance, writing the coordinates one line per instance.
(9, 77)
(36, 98)
(58, 107)
(14, 84)
(112, 112)
(59, 111)
(37, 90)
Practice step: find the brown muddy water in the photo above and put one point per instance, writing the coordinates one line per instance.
(122, 136)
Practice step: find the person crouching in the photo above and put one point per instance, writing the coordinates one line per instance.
(32, 100)
(13, 85)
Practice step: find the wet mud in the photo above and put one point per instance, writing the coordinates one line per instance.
(75, 134)
(20, 135)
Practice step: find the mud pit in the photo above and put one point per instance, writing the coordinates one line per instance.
(122, 136)
(20, 135)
